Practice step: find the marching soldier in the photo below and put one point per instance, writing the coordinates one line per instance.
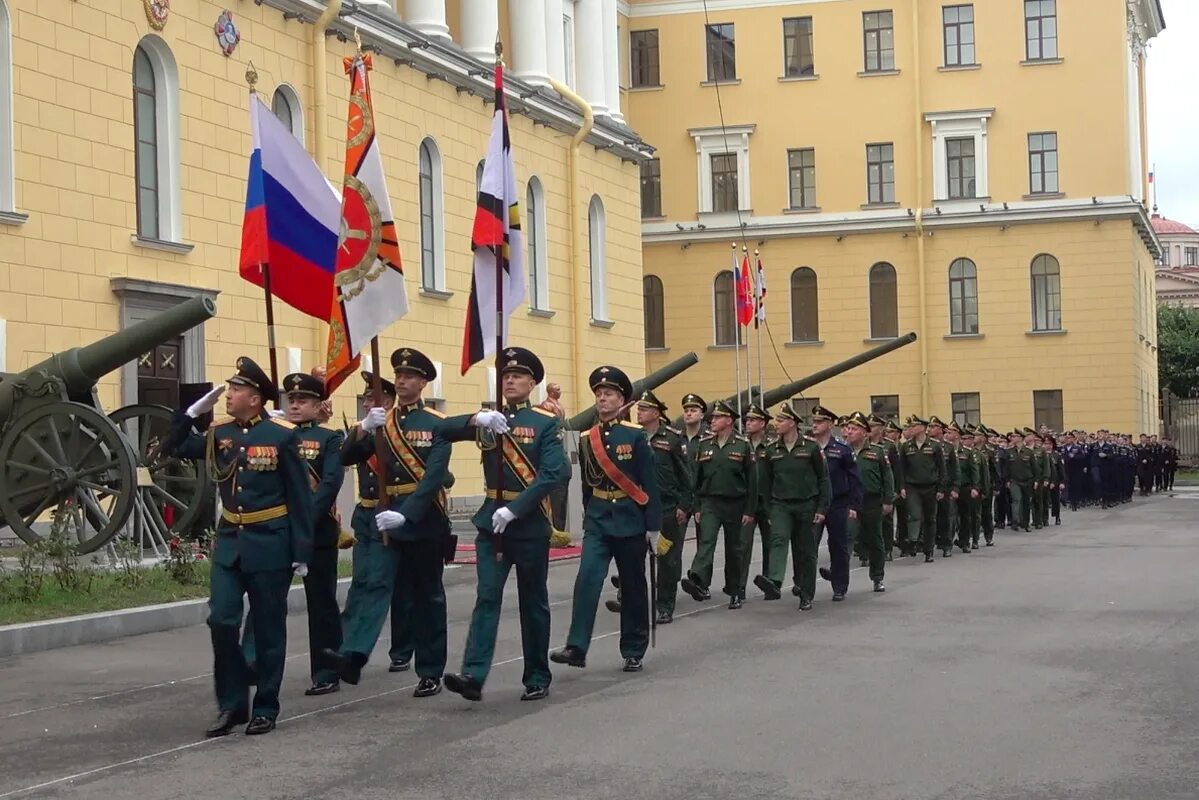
(1169, 463)
(925, 483)
(947, 505)
(694, 429)
(970, 483)
(1040, 480)
(878, 492)
(1003, 499)
(404, 538)
(896, 527)
(1074, 457)
(525, 444)
(264, 535)
(1056, 479)
(847, 500)
(800, 493)
(726, 495)
(674, 469)
(1022, 472)
(622, 513)
(988, 479)
(756, 419)
(1145, 465)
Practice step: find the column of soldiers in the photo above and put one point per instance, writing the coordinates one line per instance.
(871, 485)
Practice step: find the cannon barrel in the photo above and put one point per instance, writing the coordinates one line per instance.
(787, 390)
(585, 419)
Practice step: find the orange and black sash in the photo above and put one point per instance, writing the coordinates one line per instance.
(524, 471)
(408, 457)
(613, 472)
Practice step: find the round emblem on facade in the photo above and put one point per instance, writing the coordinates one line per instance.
(227, 34)
(157, 12)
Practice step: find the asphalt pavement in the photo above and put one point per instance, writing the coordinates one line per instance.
(1058, 664)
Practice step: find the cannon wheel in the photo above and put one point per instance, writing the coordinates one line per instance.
(66, 455)
(170, 490)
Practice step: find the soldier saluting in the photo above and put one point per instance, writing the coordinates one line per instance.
(622, 512)
(263, 536)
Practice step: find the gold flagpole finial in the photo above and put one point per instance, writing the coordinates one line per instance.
(499, 48)
(357, 40)
(252, 78)
(733, 245)
(757, 251)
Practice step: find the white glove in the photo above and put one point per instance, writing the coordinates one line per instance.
(389, 520)
(494, 421)
(374, 419)
(301, 569)
(205, 403)
(277, 413)
(652, 538)
(501, 518)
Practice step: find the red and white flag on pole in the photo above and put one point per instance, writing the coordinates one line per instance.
(760, 317)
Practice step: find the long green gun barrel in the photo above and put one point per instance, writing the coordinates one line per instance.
(788, 390)
(585, 419)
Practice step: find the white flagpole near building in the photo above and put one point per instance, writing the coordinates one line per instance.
(736, 337)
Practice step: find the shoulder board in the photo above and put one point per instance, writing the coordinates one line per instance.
(673, 430)
(282, 423)
(433, 412)
(222, 421)
(707, 437)
(632, 425)
(741, 438)
(544, 412)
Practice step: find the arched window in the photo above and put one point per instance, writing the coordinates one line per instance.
(655, 311)
(596, 232)
(156, 140)
(7, 168)
(805, 306)
(539, 294)
(432, 265)
(963, 297)
(884, 302)
(286, 105)
(724, 315)
(1046, 293)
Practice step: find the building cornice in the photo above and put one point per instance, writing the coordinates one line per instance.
(384, 33)
(1097, 209)
(670, 7)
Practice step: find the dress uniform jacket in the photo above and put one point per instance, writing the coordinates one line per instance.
(607, 509)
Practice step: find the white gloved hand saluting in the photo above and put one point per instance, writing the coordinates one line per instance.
(493, 421)
(374, 419)
(389, 520)
(205, 403)
(501, 518)
(300, 569)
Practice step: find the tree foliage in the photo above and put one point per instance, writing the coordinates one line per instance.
(1178, 349)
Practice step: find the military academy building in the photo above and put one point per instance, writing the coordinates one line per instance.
(124, 149)
(973, 172)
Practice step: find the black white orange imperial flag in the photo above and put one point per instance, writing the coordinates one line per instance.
(497, 242)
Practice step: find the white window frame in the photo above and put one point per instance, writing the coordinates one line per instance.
(292, 97)
(597, 231)
(959, 125)
(166, 120)
(437, 213)
(714, 141)
(8, 169)
(539, 289)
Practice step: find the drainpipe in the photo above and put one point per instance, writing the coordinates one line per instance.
(320, 119)
(922, 282)
(581, 312)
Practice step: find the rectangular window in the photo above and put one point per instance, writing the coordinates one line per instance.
(880, 173)
(959, 155)
(798, 60)
(966, 407)
(643, 59)
(1040, 29)
(651, 188)
(1047, 409)
(878, 41)
(724, 182)
(801, 172)
(1190, 256)
(804, 406)
(1042, 163)
(958, 23)
(568, 48)
(722, 52)
(885, 406)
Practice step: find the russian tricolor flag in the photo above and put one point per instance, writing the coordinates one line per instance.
(293, 216)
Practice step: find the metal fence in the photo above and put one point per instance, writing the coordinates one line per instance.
(1181, 417)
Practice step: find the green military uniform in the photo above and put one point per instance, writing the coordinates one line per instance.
(1040, 494)
(925, 475)
(947, 505)
(761, 511)
(265, 528)
(989, 485)
(621, 506)
(878, 490)
(532, 462)
(674, 469)
(798, 488)
(896, 524)
(409, 563)
(725, 491)
(1022, 472)
(968, 486)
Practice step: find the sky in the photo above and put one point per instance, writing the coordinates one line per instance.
(1174, 112)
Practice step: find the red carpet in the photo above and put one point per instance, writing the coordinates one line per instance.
(466, 553)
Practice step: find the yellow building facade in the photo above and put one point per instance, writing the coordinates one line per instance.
(972, 172)
(124, 149)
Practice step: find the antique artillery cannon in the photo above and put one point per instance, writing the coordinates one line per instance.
(59, 452)
(585, 419)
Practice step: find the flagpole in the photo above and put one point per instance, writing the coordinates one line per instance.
(751, 287)
(380, 441)
(759, 324)
(736, 335)
(499, 315)
(252, 81)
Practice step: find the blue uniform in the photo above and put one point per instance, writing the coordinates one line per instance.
(847, 495)
(1077, 462)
